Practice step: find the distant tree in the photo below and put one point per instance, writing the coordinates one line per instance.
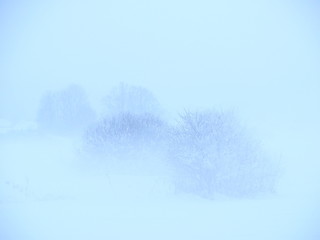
(211, 154)
(65, 111)
(131, 99)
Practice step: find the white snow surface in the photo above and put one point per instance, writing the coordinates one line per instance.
(48, 191)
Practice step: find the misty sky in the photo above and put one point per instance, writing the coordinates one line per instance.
(259, 58)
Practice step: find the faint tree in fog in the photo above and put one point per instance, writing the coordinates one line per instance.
(65, 111)
(131, 99)
(212, 154)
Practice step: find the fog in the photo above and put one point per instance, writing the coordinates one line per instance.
(96, 96)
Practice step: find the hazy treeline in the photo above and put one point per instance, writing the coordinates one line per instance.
(208, 152)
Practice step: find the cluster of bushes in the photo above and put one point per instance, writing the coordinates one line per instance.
(208, 151)
(126, 132)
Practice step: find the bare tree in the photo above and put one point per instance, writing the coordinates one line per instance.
(131, 99)
(65, 111)
(212, 154)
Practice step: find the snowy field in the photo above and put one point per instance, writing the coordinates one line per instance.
(48, 193)
(86, 83)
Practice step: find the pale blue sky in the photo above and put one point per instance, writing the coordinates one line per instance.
(260, 58)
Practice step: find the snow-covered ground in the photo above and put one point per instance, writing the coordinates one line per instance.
(169, 219)
(49, 192)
